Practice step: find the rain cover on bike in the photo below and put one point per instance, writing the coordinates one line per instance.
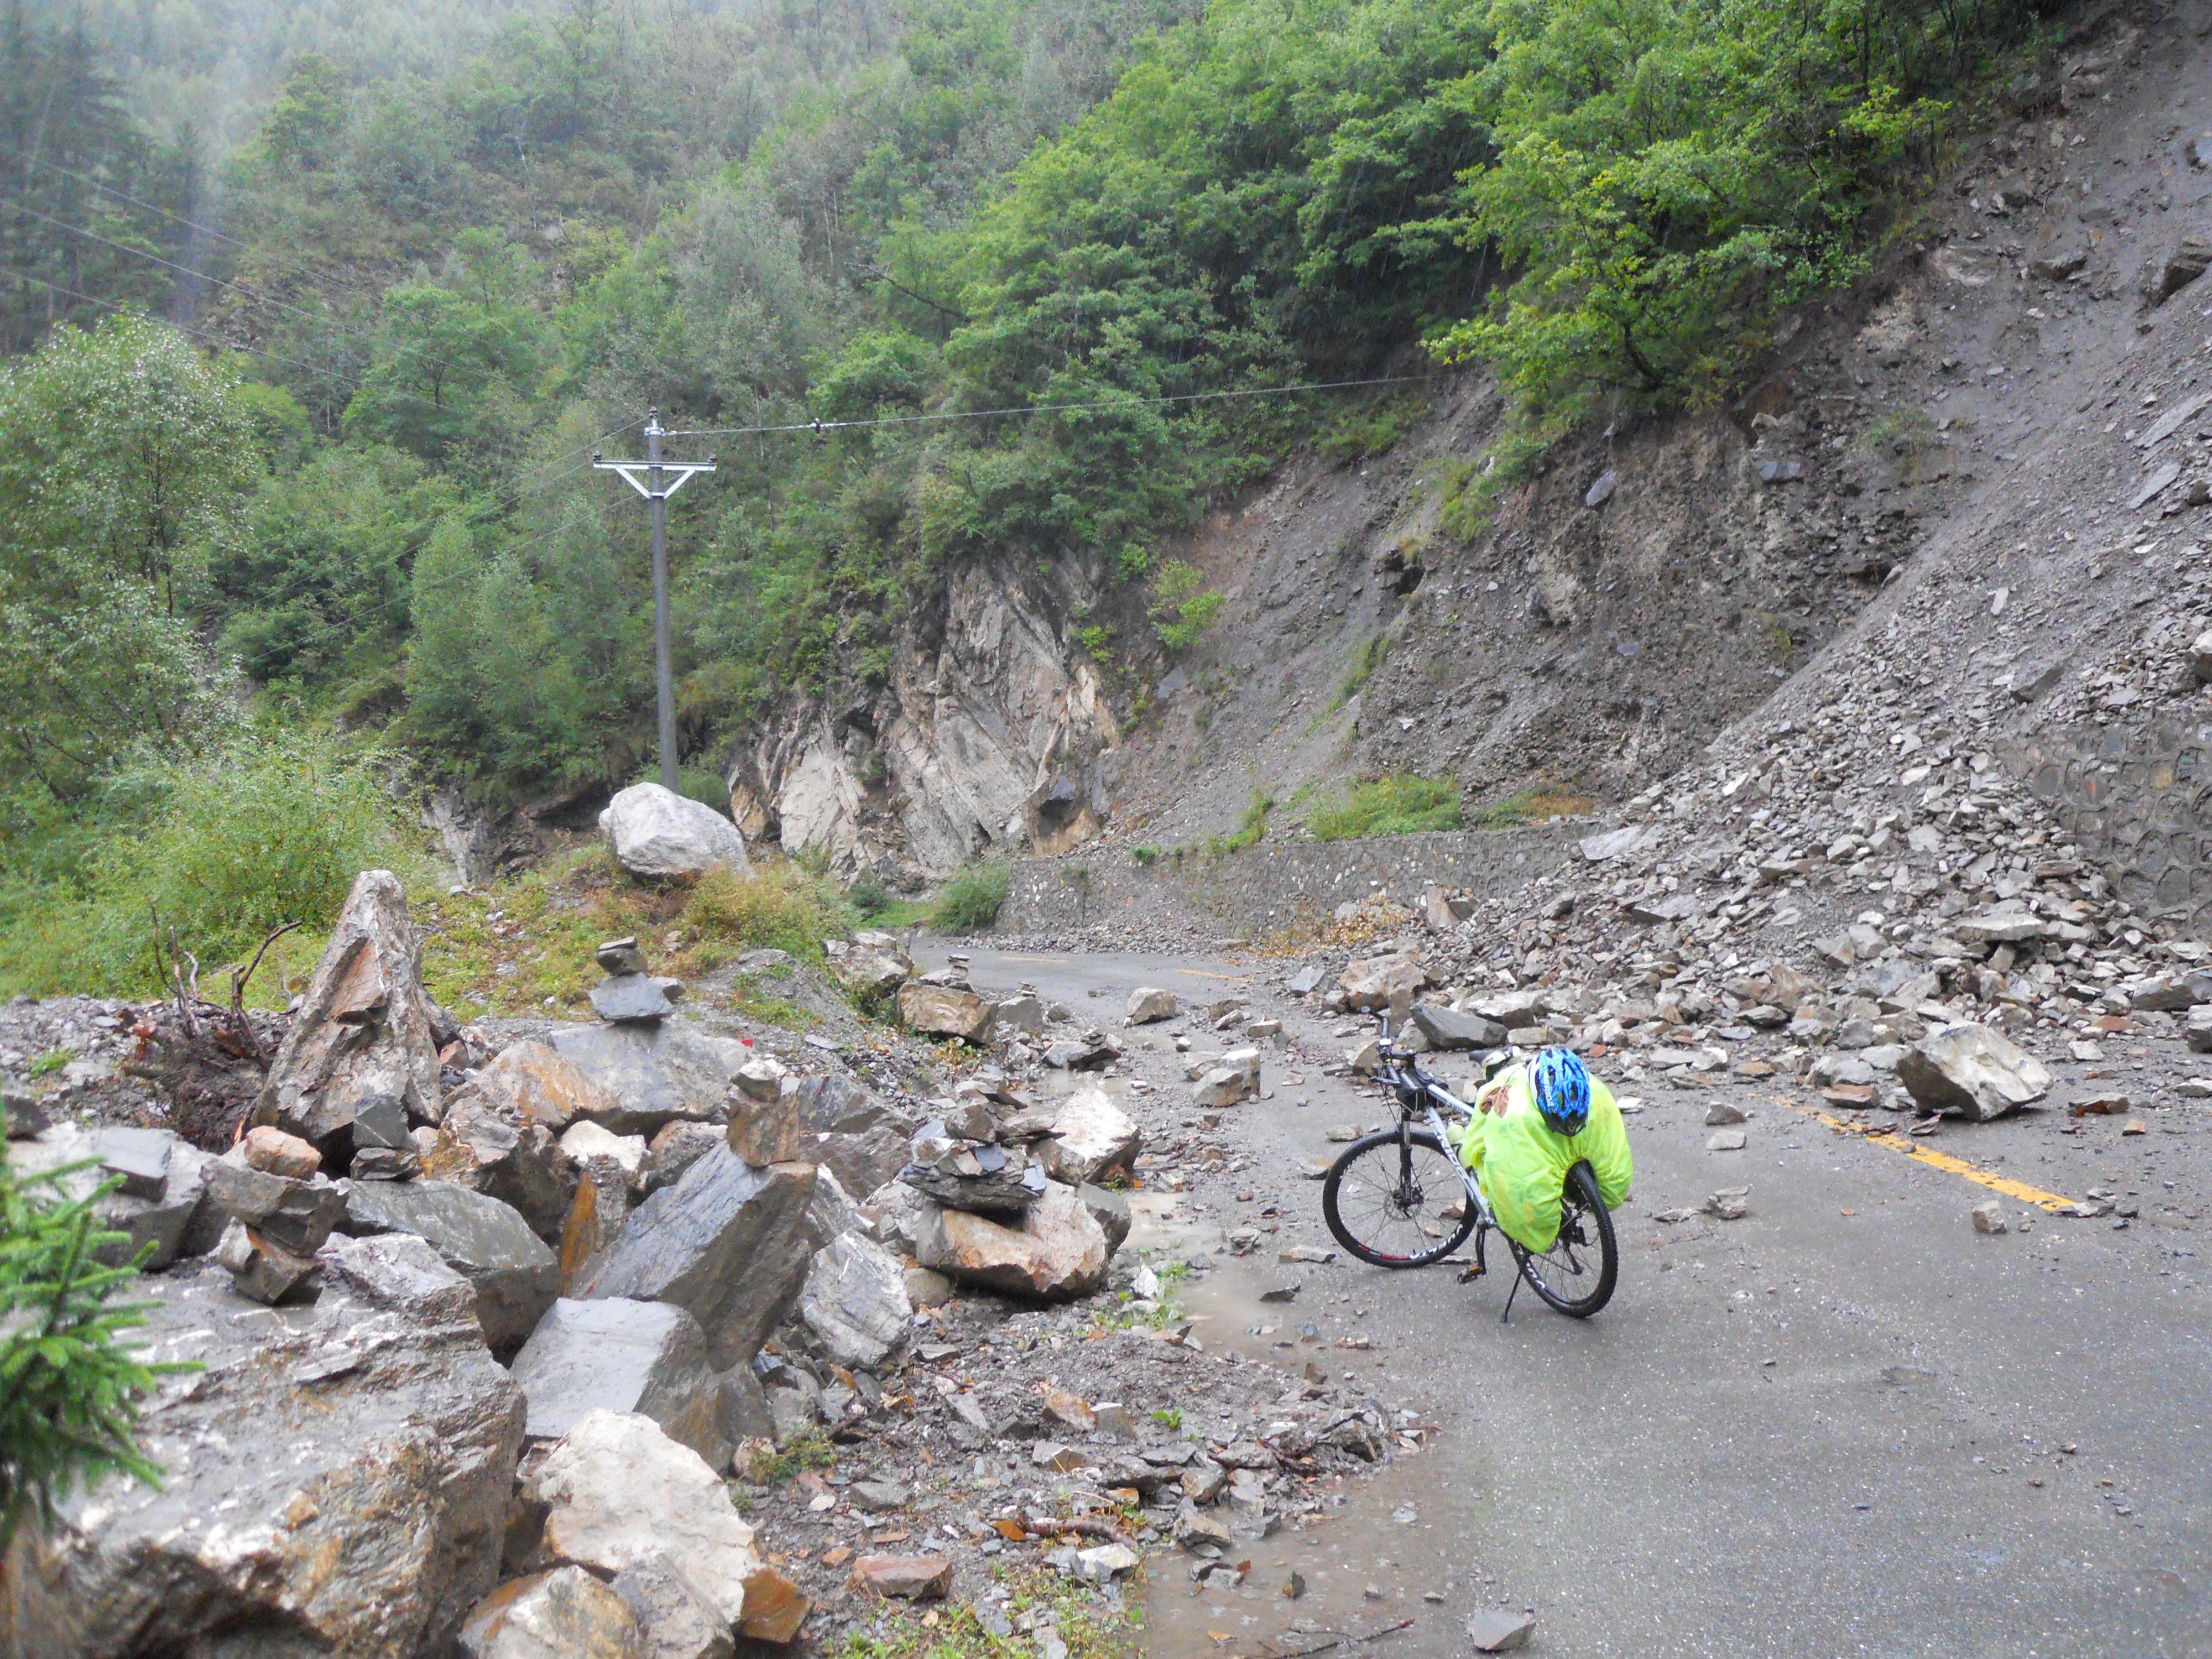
(1522, 1165)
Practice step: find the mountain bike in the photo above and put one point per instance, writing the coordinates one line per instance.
(1399, 1198)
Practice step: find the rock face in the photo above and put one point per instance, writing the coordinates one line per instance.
(658, 833)
(945, 1011)
(531, 1082)
(1973, 1070)
(730, 1243)
(1095, 1137)
(855, 1300)
(288, 1461)
(652, 1074)
(363, 1032)
(770, 1131)
(857, 1137)
(620, 1494)
(1058, 1253)
(646, 1358)
(564, 1614)
(516, 1277)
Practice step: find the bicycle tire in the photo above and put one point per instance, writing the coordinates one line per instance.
(1581, 1195)
(1331, 1198)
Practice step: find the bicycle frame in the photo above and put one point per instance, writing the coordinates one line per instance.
(1403, 1076)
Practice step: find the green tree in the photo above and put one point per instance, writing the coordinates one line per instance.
(123, 455)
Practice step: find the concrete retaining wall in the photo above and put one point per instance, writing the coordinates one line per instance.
(2139, 802)
(1275, 885)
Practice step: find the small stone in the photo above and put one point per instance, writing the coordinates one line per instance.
(909, 1577)
(272, 1151)
(1989, 1218)
(774, 1608)
(1722, 1112)
(1149, 1004)
(138, 1159)
(619, 955)
(1100, 1565)
(1495, 1631)
(1281, 1292)
(262, 1271)
(1727, 1141)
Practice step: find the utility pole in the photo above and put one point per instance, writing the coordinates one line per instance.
(660, 483)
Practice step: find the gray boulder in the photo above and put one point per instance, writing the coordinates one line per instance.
(1095, 1137)
(1974, 1071)
(362, 1032)
(657, 833)
(1449, 1028)
(631, 997)
(1057, 1253)
(514, 1158)
(259, 1270)
(676, 1149)
(293, 1214)
(729, 1243)
(854, 1302)
(1110, 1210)
(403, 1272)
(161, 1228)
(617, 1355)
(653, 1074)
(946, 1010)
(336, 1482)
(488, 1243)
(1149, 1004)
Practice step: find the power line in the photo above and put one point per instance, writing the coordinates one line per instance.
(1049, 408)
(232, 345)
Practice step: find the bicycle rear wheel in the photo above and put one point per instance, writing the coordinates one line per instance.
(1396, 1199)
(1576, 1275)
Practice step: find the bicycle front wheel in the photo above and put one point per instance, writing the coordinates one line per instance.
(1396, 1199)
(1577, 1273)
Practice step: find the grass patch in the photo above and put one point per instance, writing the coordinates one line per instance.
(1533, 807)
(1399, 803)
(766, 1007)
(971, 900)
(51, 1062)
(782, 906)
(267, 831)
(1092, 1629)
(809, 1451)
(1373, 428)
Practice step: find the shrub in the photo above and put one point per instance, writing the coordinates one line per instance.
(270, 830)
(68, 1389)
(780, 907)
(1398, 805)
(1183, 608)
(970, 901)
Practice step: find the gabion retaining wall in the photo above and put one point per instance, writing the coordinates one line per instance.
(2139, 802)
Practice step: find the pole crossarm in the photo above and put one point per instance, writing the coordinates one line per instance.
(674, 474)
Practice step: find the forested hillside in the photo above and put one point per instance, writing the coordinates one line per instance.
(321, 312)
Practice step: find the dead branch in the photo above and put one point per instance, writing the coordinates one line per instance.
(239, 981)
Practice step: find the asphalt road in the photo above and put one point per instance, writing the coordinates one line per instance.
(1845, 1425)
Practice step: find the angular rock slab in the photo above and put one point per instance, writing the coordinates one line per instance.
(855, 1300)
(729, 1243)
(364, 1030)
(287, 1463)
(534, 1082)
(658, 833)
(1383, 983)
(1973, 1070)
(1448, 1028)
(1150, 1003)
(641, 1358)
(1058, 1253)
(564, 1614)
(675, 1615)
(294, 1215)
(618, 1494)
(1095, 1137)
(515, 1276)
(653, 1074)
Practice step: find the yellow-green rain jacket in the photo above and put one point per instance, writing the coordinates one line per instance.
(1523, 1164)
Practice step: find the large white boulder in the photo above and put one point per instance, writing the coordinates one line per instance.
(619, 1493)
(1974, 1071)
(657, 832)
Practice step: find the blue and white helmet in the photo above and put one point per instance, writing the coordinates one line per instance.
(1561, 1085)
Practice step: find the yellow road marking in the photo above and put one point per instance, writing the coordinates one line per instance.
(1929, 1155)
(1200, 973)
(1055, 961)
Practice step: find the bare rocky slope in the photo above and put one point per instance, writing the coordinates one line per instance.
(1655, 583)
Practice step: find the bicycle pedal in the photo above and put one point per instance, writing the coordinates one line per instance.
(1469, 1275)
